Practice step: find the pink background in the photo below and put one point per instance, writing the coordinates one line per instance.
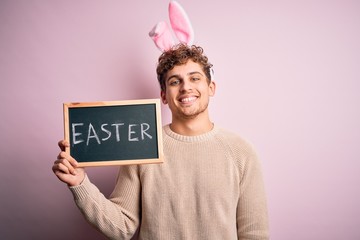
(287, 76)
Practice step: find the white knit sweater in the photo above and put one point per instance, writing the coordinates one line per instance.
(209, 187)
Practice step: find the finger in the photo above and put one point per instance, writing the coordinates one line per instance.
(63, 144)
(64, 155)
(72, 161)
(69, 162)
(69, 166)
(61, 167)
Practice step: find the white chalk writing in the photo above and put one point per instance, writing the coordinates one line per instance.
(89, 134)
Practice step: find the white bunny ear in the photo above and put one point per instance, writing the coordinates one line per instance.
(162, 36)
(180, 23)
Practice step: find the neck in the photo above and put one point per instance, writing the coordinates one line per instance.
(191, 127)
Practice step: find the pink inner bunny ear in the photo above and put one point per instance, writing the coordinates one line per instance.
(162, 36)
(180, 23)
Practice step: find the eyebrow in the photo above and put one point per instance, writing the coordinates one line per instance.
(188, 74)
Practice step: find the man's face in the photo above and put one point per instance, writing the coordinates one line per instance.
(187, 91)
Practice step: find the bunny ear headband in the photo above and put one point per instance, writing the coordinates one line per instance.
(180, 24)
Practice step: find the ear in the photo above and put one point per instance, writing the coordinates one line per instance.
(163, 97)
(161, 36)
(180, 23)
(212, 88)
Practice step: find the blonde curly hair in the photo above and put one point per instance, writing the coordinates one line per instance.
(178, 55)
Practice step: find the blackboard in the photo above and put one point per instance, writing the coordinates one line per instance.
(114, 132)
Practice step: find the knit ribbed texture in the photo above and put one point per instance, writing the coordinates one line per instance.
(209, 187)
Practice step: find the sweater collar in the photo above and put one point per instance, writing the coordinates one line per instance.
(198, 138)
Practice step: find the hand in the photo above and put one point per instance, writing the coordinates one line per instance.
(66, 168)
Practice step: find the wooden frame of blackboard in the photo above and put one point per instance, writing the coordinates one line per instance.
(155, 103)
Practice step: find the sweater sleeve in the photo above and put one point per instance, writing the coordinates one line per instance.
(118, 216)
(252, 216)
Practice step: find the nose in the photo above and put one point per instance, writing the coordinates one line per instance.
(186, 85)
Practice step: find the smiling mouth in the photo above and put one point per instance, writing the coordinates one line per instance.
(187, 99)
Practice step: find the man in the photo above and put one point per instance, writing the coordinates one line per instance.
(210, 185)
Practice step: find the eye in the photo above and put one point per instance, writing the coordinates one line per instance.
(195, 77)
(174, 82)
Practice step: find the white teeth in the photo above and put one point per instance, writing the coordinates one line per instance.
(189, 99)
